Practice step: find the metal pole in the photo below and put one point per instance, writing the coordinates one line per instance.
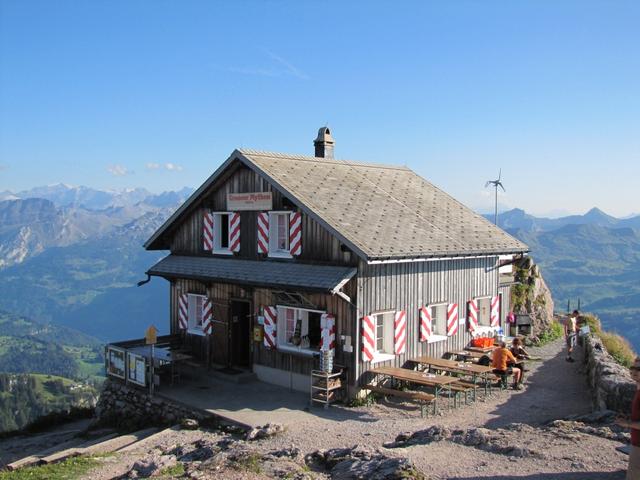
(151, 373)
(495, 216)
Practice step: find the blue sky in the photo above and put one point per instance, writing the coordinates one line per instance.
(157, 94)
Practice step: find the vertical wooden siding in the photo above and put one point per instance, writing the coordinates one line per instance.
(222, 294)
(318, 245)
(408, 286)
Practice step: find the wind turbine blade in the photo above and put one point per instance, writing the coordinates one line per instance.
(501, 186)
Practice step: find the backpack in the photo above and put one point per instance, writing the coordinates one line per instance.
(484, 360)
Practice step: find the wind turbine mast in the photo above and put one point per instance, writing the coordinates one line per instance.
(496, 183)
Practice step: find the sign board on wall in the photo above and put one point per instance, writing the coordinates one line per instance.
(249, 201)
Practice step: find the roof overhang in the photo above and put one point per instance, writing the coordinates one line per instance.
(253, 273)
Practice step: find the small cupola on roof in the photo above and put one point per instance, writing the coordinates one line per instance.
(324, 143)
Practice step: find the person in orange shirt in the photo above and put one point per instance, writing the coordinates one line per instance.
(502, 363)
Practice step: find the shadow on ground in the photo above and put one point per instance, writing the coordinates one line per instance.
(617, 475)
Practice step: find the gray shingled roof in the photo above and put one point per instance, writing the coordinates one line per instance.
(380, 211)
(383, 211)
(250, 272)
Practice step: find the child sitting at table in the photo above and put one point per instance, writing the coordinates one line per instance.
(518, 351)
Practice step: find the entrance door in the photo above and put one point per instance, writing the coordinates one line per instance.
(240, 333)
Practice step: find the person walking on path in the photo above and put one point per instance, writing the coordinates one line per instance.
(570, 334)
(633, 470)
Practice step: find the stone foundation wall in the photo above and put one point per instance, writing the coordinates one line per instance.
(611, 385)
(130, 407)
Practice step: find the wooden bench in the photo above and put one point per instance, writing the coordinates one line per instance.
(422, 398)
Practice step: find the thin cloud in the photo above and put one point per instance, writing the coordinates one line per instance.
(172, 167)
(281, 68)
(118, 170)
(3, 167)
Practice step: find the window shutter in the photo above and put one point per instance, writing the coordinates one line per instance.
(207, 316)
(263, 232)
(426, 324)
(452, 319)
(234, 232)
(295, 233)
(207, 231)
(270, 321)
(183, 311)
(472, 315)
(368, 338)
(400, 332)
(328, 332)
(495, 311)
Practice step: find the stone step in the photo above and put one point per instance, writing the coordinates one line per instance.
(35, 459)
(117, 443)
(149, 440)
(74, 451)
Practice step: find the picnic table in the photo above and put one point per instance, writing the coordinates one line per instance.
(481, 349)
(466, 355)
(470, 369)
(437, 382)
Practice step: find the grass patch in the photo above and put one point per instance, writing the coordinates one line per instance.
(249, 463)
(619, 348)
(175, 471)
(366, 401)
(67, 470)
(552, 333)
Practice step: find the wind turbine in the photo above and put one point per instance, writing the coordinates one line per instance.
(496, 183)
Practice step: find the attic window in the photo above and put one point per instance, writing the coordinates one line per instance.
(279, 234)
(221, 237)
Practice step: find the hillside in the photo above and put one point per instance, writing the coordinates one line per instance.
(26, 397)
(27, 346)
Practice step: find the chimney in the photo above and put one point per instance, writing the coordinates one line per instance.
(324, 143)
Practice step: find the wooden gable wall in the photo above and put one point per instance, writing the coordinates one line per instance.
(318, 245)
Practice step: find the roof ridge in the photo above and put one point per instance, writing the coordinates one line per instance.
(309, 158)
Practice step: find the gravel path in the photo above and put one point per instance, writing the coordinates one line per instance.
(554, 389)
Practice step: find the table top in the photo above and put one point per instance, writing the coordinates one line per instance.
(466, 353)
(413, 376)
(451, 365)
(480, 349)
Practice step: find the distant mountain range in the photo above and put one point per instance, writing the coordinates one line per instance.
(72, 256)
(592, 258)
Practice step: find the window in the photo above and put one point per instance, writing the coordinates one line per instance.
(484, 314)
(439, 319)
(279, 234)
(221, 232)
(299, 328)
(384, 333)
(195, 312)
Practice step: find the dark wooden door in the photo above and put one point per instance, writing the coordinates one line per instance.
(240, 333)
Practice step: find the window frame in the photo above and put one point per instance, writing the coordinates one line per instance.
(439, 329)
(388, 332)
(192, 326)
(281, 330)
(217, 234)
(273, 234)
(483, 299)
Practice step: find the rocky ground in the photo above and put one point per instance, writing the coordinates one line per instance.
(546, 431)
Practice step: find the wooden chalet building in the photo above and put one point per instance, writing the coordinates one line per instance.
(277, 256)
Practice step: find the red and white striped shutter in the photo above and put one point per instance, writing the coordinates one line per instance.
(295, 233)
(472, 315)
(495, 311)
(234, 232)
(452, 319)
(207, 316)
(328, 332)
(207, 231)
(400, 332)
(183, 311)
(426, 324)
(270, 321)
(263, 232)
(368, 338)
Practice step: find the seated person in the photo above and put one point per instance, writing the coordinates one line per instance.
(518, 351)
(502, 363)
